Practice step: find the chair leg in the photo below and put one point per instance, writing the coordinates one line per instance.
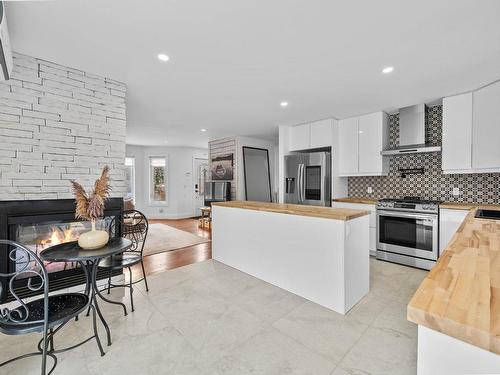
(44, 352)
(131, 288)
(144, 275)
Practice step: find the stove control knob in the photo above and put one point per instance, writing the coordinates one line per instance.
(426, 207)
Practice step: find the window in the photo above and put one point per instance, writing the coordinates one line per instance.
(130, 178)
(158, 180)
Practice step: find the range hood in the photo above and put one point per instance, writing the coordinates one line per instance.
(412, 132)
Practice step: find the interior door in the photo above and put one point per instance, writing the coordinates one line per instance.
(200, 171)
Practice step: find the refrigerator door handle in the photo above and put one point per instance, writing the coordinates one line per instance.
(302, 183)
(299, 184)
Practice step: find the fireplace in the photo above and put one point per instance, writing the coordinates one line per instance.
(40, 224)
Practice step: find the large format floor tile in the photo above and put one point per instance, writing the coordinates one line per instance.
(208, 318)
(271, 352)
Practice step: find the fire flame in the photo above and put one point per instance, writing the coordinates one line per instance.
(57, 236)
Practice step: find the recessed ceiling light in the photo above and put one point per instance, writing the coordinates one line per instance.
(203, 130)
(163, 57)
(284, 104)
(388, 69)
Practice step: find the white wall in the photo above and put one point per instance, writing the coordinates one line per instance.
(180, 190)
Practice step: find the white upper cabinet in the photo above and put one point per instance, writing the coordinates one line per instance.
(321, 133)
(348, 146)
(486, 128)
(457, 133)
(471, 131)
(373, 138)
(300, 137)
(361, 140)
(317, 134)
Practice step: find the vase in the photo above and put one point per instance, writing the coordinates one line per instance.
(94, 239)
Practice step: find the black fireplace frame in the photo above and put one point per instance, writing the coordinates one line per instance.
(40, 211)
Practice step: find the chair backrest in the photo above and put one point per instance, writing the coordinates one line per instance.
(134, 226)
(30, 267)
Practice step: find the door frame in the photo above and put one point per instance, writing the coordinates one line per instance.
(193, 199)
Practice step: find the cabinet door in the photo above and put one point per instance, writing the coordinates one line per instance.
(457, 132)
(370, 143)
(348, 146)
(486, 127)
(449, 222)
(321, 134)
(300, 137)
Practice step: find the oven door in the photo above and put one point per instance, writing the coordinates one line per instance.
(412, 234)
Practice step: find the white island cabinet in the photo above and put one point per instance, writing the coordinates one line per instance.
(319, 253)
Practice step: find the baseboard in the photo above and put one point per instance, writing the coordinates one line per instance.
(171, 216)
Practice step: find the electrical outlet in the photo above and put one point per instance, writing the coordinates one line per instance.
(369, 190)
(456, 191)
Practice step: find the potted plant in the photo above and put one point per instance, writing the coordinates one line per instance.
(91, 207)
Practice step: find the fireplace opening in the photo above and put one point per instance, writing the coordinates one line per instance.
(39, 236)
(44, 223)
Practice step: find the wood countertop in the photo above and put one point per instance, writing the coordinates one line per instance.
(467, 206)
(356, 200)
(448, 205)
(460, 296)
(296, 209)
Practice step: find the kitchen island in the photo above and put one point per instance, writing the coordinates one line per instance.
(319, 253)
(457, 306)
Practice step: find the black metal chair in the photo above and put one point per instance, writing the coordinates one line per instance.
(47, 314)
(134, 226)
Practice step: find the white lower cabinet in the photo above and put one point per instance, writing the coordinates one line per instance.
(372, 220)
(449, 222)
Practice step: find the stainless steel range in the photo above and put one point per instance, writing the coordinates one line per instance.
(408, 231)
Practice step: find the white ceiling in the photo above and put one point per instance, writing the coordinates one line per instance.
(233, 61)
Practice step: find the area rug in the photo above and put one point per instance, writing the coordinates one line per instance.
(162, 237)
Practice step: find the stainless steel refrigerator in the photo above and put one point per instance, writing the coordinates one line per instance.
(308, 179)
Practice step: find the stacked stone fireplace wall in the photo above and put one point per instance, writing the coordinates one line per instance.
(56, 124)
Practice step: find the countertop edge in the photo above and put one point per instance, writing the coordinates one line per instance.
(464, 206)
(343, 214)
(357, 200)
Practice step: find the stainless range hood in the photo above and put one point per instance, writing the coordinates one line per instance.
(412, 132)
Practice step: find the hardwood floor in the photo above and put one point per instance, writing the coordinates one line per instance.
(177, 258)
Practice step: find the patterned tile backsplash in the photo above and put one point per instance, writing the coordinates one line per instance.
(433, 184)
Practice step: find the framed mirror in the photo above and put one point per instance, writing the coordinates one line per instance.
(257, 174)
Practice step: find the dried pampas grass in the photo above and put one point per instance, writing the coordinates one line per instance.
(92, 207)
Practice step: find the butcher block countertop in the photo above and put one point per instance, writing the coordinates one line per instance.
(460, 296)
(468, 206)
(296, 209)
(356, 200)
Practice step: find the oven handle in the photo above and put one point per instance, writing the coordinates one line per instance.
(409, 215)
